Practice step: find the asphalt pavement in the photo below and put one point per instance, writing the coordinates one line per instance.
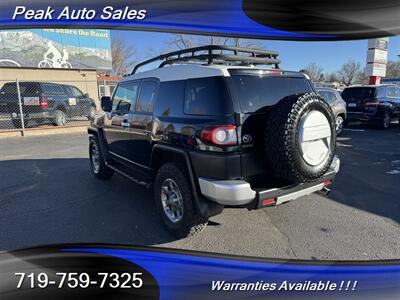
(48, 195)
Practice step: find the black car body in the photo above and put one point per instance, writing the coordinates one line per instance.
(378, 104)
(337, 104)
(44, 101)
(204, 127)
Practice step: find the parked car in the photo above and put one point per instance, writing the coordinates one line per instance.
(214, 130)
(378, 104)
(337, 104)
(45, 101)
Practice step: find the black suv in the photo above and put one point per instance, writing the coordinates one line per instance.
(212, 130)
(378, 104)
(45, 101)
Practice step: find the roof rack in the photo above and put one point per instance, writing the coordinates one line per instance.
(215, 54)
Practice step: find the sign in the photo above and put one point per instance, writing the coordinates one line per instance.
(377, 57)
(381, 43)
(56, 48)
(376, 69)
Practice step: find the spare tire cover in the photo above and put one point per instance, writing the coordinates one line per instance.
(300, 138)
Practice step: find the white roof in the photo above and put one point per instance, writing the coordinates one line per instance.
(181, 72)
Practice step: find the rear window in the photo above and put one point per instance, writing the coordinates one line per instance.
(256, 92)
(53, 89)
(207, 96)
(26, 88)
(359, 92)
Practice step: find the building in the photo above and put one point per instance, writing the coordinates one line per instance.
(73, 56)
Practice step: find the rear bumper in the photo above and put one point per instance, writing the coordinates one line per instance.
(240, 193)
(363, 117)
(33, 115)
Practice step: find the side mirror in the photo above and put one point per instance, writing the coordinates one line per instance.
(106, 103)
(86, 95)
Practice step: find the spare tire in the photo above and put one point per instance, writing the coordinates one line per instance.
(300, 138)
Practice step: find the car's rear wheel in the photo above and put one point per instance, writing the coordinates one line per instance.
(174, 201)
(339, 125)
(300, 138)
(384, 123)
(60, 118)
(97, 162)
(17, 123)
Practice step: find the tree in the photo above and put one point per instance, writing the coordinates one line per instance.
(393, 69)
(182, 41)
(332, 77)
(123, 56)
(313, 71)
(349, 72)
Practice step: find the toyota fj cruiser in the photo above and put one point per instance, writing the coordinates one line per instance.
(211, 128)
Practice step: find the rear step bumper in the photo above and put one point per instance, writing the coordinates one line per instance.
(239, 192)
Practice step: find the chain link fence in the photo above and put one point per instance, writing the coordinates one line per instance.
(26, 104)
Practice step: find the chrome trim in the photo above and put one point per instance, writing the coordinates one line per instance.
(336, 164)
(227, 192)
(130, 161)
(300, 193)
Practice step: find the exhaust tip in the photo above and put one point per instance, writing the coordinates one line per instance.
(325, 191)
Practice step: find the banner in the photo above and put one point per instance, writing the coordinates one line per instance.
(119, 272)
(274, 19)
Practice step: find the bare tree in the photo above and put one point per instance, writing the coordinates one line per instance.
(182, 41)
(313, 71)
(349, 72)
(362, 77)
(332, 77)
(393, 69)
(123, 56)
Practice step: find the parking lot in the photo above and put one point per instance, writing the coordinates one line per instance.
(48, 195)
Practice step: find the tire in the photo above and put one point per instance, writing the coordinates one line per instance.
(172, 180)
(339, 125)
(288, 141)
(92, 113)
(60, 118)
(17, 123)
(384, 123)
(99, 169)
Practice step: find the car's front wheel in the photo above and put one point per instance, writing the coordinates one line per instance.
(97, 162)
(174, 201)
(92, 113)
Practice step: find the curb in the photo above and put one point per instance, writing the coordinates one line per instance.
(43, 131)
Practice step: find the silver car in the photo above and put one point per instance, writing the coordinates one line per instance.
(337, 104)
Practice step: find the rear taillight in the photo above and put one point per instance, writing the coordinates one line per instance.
(44, 103)
(220, 135)
(372, 104)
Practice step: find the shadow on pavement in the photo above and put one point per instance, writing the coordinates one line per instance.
(368, 179)
(59, 201)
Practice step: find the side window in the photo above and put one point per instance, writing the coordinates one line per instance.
(328, 96)
(207, 96)
(392, 92)
(124, 96)
(170, 98)
(147, 96)
(53, 89)
(76, 92)
(397, 92)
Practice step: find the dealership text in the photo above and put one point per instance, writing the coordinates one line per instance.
(67, 13)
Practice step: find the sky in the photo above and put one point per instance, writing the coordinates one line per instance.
(294, 55)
